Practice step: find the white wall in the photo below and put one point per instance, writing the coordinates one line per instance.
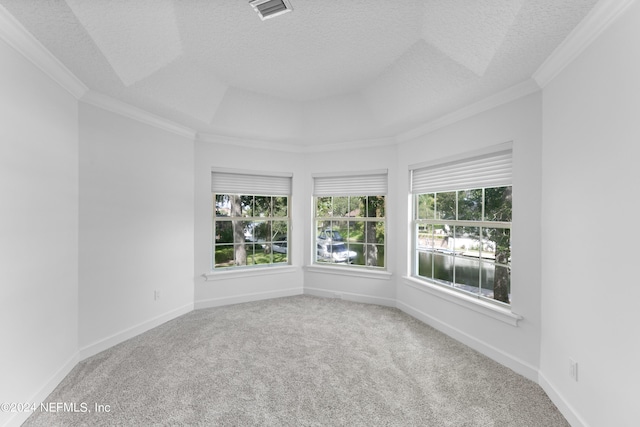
(590, 185)
(83, 248)
(241, 286)
(38, 232)
(136, 227)
(362, 285)
(520, 122)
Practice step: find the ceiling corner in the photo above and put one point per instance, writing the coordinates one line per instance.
(113, 105)
(598, 20)
(16, 36)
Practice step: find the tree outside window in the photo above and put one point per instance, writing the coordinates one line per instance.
(250, 230)
(350, 230)
(463, 240)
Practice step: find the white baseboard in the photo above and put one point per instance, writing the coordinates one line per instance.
(563, 406)
(104, 344)
(20, 417)
(519, 366)
(349, 296)
(255, 296)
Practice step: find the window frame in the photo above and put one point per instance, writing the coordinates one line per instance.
(350, 185)
(479, 224)
(254, 184)
(365, 220)
(488, 167)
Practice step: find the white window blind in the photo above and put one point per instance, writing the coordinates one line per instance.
(487, 168)
(227, 181)
(371, 183)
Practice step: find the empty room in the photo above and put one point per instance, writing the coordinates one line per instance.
(299, 213)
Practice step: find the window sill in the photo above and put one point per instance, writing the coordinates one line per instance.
(233, 273)
(350, 271)
(502, 314)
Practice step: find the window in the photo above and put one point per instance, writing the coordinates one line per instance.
(251, 219)
(462, 214)
(349, 218)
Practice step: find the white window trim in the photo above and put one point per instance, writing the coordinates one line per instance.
(248, 271)
(452, 294)
(361, 183)
(503, 314)
(353, 271)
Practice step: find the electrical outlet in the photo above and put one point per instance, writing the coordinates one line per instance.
(156, 295)
(573, 369)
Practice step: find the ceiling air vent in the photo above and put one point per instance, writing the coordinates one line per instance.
(270, 8)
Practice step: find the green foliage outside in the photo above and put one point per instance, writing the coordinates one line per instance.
(359, 220)
(224, 256)
(494, 243)
(263, 218)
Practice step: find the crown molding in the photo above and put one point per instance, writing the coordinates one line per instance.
(351, 145)
(115, 106)
(511, 94)
(599, 19)
(292, 147)
(518, 91)
(16, 36)
(249, 143)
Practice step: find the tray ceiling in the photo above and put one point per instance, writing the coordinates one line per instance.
(325, 72)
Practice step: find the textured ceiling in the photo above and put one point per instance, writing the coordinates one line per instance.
(328, 71)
